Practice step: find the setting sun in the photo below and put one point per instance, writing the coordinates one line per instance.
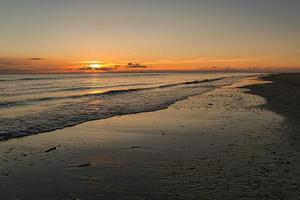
(95, 66)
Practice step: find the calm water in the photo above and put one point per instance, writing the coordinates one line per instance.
(31, 104)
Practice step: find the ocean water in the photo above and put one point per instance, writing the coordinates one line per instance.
(31, 104)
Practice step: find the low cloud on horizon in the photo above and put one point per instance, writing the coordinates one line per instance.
(88, 68)
(136, 65)
(36, 59)
(115, 67)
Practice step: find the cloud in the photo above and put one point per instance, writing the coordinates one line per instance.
(107, 68)
(24, 65)
(35, 59)
(135, 65)
(115, 67)
(88, 68)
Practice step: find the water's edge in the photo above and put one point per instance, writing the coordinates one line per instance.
(204, 89)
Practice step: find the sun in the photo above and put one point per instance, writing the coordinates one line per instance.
(95, 66)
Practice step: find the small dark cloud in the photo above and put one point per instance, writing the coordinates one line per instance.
(85, 68)
(136, 65)
(107, 68)
(36, 59)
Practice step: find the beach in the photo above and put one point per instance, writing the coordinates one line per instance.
(232, 142)
(150, 100)
(282, 95)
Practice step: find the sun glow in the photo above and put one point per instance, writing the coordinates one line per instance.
(95, 66)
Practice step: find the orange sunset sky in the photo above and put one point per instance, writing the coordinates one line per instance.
(70, 36)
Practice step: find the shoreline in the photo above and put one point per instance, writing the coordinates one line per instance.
(14, 132)
(218, 145)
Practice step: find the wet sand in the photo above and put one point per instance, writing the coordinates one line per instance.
(224, 144)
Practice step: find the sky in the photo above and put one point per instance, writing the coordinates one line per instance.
(137, 35)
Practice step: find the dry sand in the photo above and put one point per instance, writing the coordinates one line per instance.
(283, 97)
(220, 145)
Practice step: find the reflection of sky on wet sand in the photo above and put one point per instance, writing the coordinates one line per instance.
(248, 81)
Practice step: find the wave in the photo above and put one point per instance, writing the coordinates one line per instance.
(110, 92)
(192, 82)
(65, 115)
(78, 76)
(60, 114)
(51, 90)
(28, 79)
(93, 88)
(41, 78)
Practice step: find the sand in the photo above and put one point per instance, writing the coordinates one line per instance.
(224, 144)
(282, 94)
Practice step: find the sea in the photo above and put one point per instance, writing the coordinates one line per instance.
(32, 104)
